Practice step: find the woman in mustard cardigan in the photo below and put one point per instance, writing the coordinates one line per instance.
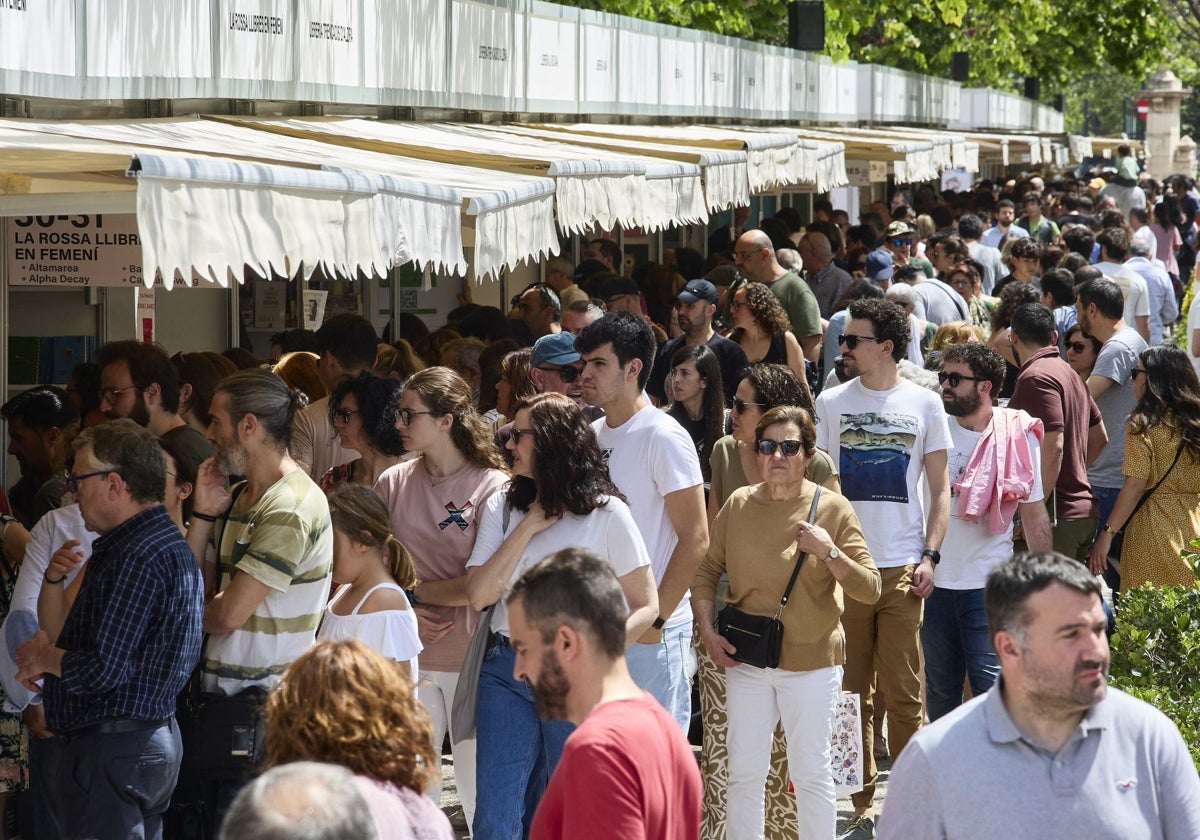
(756, 538)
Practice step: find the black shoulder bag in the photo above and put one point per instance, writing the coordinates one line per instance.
(225, 735)
(759, 638)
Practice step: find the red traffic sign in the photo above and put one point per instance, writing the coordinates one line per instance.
(1143, 108)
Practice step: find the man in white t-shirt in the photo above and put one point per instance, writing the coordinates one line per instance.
(1114, 250)
(954, 634)
(653, 461)
(888, 440)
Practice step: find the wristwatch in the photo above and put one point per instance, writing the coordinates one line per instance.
(659, 621)
(933, 554)
(833, 555)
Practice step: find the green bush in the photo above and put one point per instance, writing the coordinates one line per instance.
(1156, 650)
(1181, 332)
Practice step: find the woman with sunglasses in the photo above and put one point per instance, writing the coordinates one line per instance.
(1162, 457)
(761, 327)
(362, 411)
(560, 497)
(735, 464)
(1082, 351)
(434, 501)
(757, 538)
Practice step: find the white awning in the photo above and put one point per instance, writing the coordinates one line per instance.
(215, 216)
(771, 159)
(724, 172)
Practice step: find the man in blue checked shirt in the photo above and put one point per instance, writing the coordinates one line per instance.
(127, 645)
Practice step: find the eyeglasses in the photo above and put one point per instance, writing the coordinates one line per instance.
(566, 373)
(851, 341)
(73, 481)
(407, 414)
(1077, 346)
(518, 433)
(955, 379)
(113, 394)
(344, 414)
(767, 447)
(1136, 372)
(745, 255)
(739, 405)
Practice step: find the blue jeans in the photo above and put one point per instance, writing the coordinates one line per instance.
(955, 639)
(117, 785)
(666, 670)
(516, 751)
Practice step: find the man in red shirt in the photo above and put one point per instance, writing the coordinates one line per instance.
(627, 771)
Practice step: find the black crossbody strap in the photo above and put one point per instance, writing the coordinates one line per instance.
(787, 593)
(1146, 496)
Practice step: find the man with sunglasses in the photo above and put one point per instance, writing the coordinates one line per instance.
(888, 439)
(979, 533)
(1074, 433)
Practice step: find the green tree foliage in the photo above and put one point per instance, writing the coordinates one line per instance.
(1056, 40)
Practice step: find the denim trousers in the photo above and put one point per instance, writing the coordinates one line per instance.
(117, 785)
(956, 643)
(758, 699)
(665, 669)
(516, 751)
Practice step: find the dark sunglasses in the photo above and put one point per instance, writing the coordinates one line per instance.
(517, 434)
(739, 405)
(851, 341)
(955, 379)
(1135, 373)
(1077, 346)
(767, 447)
(566, 373)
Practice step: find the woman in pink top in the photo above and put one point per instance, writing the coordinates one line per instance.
(1166, 214)
(434, 502)
(342, 703)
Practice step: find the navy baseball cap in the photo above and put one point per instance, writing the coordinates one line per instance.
(698, 290)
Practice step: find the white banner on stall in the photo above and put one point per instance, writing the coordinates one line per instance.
(489, 50)
(328, 38)
(410, 44)
(77, 251)
(256, 39)
(552, 59)
(149, 38)
(720, 76)
(38, 37)
(636, 70)
(679, 67)
(751, 79)
(599, 63)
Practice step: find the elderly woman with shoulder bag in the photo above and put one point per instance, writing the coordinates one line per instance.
(794, 553)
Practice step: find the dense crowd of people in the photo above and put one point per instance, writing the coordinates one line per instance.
(246, 595)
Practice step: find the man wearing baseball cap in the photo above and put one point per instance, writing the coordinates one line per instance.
(695, 307)
(880, 268)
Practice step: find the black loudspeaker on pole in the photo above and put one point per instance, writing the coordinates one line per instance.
(960, 66)
(806, 25)
(1033, 87)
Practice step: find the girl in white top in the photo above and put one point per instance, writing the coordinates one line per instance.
(372, 570)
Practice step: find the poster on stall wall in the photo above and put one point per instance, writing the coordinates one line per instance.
(270, 304)
(314, 308)
(78, 251)
(145, 313)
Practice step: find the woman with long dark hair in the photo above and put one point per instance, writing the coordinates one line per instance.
(698, 399)
(434, 503)
(362, 411)
(1162, 456)
(560, 497)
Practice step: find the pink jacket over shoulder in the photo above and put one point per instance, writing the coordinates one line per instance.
(1000, 472)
